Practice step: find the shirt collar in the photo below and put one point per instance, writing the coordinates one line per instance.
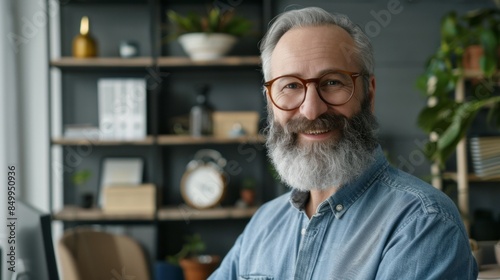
(341, 200)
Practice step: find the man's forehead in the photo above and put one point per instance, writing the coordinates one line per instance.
(313, 45)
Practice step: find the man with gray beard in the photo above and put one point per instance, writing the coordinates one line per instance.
(350, 215)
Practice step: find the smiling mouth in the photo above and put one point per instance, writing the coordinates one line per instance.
(316, 132)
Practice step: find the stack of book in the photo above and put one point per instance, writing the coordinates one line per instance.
(81, 131)
(122, 108)
(485, 153)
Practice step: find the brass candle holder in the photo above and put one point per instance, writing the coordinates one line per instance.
(83, 44)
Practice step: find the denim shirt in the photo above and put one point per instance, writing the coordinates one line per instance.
(384, 225)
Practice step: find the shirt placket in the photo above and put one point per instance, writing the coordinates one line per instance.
(310, 246)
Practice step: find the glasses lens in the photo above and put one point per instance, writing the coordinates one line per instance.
(336, 88)
(287, 92)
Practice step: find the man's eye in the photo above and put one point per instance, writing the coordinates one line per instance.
(292, 86)
(332, 83)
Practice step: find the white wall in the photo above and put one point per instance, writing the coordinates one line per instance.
(9, 132)
(23, 106)
(32, 76)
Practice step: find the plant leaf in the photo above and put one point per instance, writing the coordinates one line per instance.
(462, 120)
(488, 62)
(493, 116)
(80, 177)
(449, 29)
(213, 21)
(437, 118)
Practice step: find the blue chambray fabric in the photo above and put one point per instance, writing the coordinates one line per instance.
(385, 225)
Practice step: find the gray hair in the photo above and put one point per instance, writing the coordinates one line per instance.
(363, 51)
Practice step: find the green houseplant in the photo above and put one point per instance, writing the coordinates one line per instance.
(193, 246)
(446, 119)
(79, 179)
(247, 191)
(210, 36)
(194, 265)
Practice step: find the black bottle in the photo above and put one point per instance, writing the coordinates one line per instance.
(200, 118)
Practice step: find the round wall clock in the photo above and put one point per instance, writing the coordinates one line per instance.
(203, 184)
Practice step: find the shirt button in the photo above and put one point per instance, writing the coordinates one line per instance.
(303, 231)
(339, 207)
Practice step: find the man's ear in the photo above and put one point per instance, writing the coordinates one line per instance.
(371, 92)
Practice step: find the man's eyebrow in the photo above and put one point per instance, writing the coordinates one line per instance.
(322, 72)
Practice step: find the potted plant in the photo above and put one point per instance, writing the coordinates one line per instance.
(194, 265)
(211, 36)
(444, 118)
(477, 32)
(79, 178)
(247, 191)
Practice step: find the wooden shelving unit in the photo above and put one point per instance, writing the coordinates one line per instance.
(462, 166)
(172, 83)
(462, 176)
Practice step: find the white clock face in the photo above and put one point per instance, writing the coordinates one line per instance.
(204, 186)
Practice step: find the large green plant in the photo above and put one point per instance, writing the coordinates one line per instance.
(446, 119)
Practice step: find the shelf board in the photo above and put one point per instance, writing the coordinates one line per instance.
(473, 74)
(182, 61)
(102, 62)
(180, 213)
(142, 62)
(471, 177)
(80, 142)
(186, 213)
(189, 140)
(477, 74)
(75, 214)
(161, 140)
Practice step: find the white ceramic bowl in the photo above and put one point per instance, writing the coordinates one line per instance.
(206, 46)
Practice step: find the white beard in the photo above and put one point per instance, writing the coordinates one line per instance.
(321, 166)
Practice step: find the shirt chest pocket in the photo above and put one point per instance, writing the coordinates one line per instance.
(255, 277)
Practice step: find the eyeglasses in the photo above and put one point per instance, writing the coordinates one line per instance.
(334, 88)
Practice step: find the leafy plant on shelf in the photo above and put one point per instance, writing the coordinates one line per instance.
(446, 119)
(215, 21)
(192, 247)
(79, 178)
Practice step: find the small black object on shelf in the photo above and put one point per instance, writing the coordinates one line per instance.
(200, 118)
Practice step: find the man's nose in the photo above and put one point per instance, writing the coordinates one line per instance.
(313, 105)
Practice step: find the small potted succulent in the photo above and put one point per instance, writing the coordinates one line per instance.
(80, 178)
(194, 265)
(211, 36)
(247, 191)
